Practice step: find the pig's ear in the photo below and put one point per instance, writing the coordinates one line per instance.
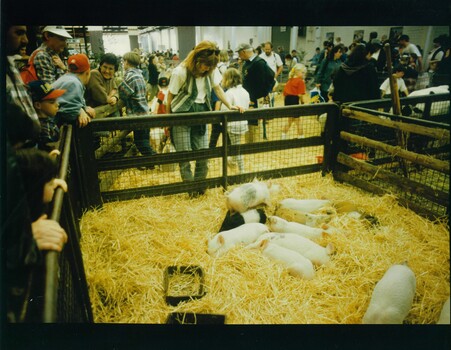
(330, 248)
(263, 244)
(221, 240)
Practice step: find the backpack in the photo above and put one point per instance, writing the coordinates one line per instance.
(28, 72)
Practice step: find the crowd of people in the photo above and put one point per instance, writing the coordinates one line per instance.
(70, 92)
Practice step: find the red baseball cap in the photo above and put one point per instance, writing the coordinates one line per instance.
(41, 91)
(78, 63)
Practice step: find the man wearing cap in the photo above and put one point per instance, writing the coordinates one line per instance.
(44, 101)
(73, 109)
(48, 64)
(255, 75)
(378, 55)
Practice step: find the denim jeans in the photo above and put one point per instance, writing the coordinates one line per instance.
(141, 138)
(191, 138)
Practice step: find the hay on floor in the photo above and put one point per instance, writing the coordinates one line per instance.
(127, 245)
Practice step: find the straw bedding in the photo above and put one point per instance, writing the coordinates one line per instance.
(127, 245)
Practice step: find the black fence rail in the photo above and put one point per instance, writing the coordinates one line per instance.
(63, 283)
(112, 168)
(407, 156)
(359, 143)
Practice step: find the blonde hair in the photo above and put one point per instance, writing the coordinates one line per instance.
(132, 58)
(223, 56)
(299, 67)
(206, 52)
(231, 78)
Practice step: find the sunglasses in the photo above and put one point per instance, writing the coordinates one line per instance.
(210, 52)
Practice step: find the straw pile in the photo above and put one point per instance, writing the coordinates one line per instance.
(127, 245)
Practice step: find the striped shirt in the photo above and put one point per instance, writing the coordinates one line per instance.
(188, 90)
(132, 90)
(45, 68)
(16, 92)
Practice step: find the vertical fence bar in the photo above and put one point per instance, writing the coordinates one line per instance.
(225, 152)
(331, 139)
(87, 167)
(51, 259)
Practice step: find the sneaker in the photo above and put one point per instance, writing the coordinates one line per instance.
(196, 194)
(283, 136)
(301, 137)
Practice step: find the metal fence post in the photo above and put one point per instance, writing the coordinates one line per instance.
(89, 180)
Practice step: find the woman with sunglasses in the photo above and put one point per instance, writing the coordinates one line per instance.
(190, 92)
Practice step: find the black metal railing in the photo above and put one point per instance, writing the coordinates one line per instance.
(66, 296)
(86, 162)
(94, 176)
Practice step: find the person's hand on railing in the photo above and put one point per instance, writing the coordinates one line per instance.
(54, 153)
(83, 119)
(91, 112)
(48, 234)
(238, 108)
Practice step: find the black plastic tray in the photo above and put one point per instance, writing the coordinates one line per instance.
(193, 318)
(193, 270)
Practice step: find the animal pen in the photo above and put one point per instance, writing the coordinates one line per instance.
(133, 222)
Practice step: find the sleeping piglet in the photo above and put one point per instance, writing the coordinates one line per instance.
(305, 205)
(237, 219)
(296, 264)
(277, 224)
(314, 252)
(249, 195)
(309, 219)
(444, 315)
(392, 297)
(223, 241)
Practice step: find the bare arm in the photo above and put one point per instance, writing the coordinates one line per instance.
(221, 95)
(168, 102)
(279, 70)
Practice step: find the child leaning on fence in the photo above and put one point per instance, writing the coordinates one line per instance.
(294, 92)
(72, 105)
(45, 103)
(238, 96)
(132, 90)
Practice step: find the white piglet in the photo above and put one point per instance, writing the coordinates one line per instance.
(305, 205)
(392, 297)
(309, 219)
(317, 254)
(249, 195)
(296, 264)
(277, 224)
(244, 234)
(444, 315)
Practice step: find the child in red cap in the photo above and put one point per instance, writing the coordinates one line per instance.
(73, 109)
(45, 103)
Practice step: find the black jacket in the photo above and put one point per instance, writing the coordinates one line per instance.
(153, 74)
(257, 77)
(356, 83)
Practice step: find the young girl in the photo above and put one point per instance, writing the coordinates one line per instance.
(294, 91)
(236, 95)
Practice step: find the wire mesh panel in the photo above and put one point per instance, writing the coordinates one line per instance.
(194, 151)
(416, 167)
